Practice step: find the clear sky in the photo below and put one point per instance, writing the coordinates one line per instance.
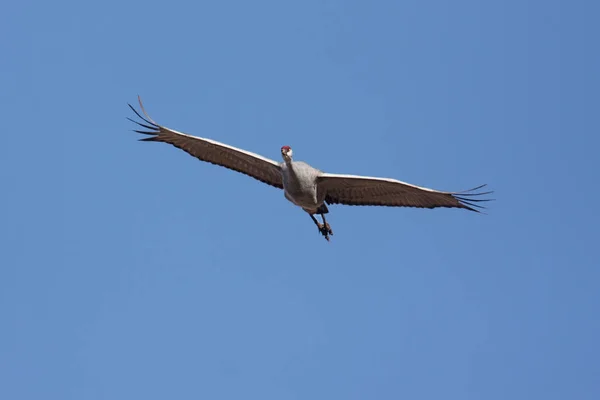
(131, 270)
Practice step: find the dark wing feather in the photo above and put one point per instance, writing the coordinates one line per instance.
(356, 190)
(251, 164)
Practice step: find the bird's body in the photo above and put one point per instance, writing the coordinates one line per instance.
(300, 185)
(306, 186)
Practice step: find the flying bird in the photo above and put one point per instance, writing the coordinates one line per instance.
(306, 186)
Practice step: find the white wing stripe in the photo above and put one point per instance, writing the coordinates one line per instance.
(359, 177)
(249, 153)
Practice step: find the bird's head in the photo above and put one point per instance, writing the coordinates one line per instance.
(286, 153)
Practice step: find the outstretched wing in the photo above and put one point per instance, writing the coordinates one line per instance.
(357, 190)
(251, 164)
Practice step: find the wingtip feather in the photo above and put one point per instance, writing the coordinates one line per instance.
(466, 200)
(144, 111)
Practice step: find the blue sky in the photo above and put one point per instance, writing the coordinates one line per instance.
(132, 270)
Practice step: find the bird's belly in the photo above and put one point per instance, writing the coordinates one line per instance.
(302, 198)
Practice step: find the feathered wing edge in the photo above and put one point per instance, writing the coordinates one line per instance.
(153, 126)
(467, 200)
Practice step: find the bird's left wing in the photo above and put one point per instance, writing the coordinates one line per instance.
(251, 164)
(357, 190)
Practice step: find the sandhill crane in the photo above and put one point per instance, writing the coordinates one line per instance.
(305, 186)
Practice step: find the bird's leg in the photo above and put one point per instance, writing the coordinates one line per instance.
(322, 228)
(326, 225)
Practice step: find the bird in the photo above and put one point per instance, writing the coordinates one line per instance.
(305, 186)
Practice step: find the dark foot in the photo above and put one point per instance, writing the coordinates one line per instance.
(325, 230)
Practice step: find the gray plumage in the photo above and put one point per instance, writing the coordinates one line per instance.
(305, 186)
(300, 185)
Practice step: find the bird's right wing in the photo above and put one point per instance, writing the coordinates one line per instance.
(251, 164)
